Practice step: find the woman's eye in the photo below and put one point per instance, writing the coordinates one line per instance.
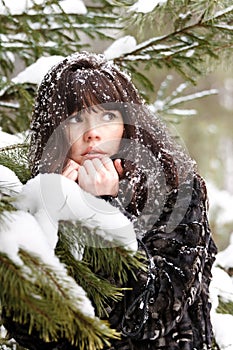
(109, 116)
(77, 118)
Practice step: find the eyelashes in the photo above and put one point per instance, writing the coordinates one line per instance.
(106, 116)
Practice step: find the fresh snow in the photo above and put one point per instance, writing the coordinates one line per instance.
(182, 112)
(53, 197)
(76, 7)
(120, 46)
(146, 6)
(22, 6)
(223, 12)
(9, 139)
(225, 257)
(193, 96)
(223, 325)
(16, 7)
(20, 230)
(33, 226)
(221, 287)
(50, 198)
(35, 72)
(9, 182)
(221, 204)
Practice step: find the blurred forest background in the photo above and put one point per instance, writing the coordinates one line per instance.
(209, 139)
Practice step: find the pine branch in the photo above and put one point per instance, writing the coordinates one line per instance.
(99, 290)
(195, 36)
(29, 35)
(44, 301)
(116, 260)
(59, 28)
(41, 300)
(15, 157)
(97, 253)
(167, 103)
(6, 206)
(225, 307)
(10, 345)
(187, 47)
(16, 102)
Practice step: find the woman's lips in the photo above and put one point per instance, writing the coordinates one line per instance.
(92, 153)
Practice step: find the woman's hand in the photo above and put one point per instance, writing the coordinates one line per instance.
(98, 176)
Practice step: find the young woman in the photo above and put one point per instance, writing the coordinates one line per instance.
(91, 125)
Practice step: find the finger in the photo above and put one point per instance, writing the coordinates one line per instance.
(72, 174)
(71, 170)
(118, 166)
(82, 174)
(71, 165)
(98, 165)
(108, 164)
(89, 167)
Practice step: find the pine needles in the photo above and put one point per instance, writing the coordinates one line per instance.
(43, 300)
(104, 265)
(15, 157)
(35, 296)
(188, 37)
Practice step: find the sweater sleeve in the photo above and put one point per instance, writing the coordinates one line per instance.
(179, 270)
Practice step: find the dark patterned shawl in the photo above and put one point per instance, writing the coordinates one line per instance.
(168, 307)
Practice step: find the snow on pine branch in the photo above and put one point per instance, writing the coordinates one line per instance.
(25, 6)
(222, 13)
(121, 46)
(221, 291)
(35, 72)
(166, 102)
(28, 237)
(48, 198)
(146, 6)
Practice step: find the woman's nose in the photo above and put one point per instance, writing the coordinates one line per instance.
(93, 133)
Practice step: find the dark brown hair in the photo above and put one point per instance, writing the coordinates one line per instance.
(78, 82)
(85, 80)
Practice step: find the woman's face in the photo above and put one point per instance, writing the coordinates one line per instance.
(94, 134)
